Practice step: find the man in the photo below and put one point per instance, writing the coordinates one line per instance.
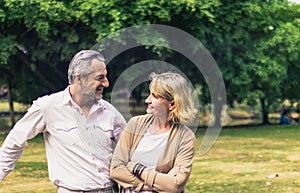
(80, 130)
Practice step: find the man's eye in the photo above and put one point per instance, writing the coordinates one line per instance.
(99, 78)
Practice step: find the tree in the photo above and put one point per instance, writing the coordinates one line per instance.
(248, 39)
(38, 39)
(252, 46)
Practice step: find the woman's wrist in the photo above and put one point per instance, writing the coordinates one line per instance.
(138, 169)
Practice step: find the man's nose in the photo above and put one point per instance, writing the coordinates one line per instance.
(105, 83)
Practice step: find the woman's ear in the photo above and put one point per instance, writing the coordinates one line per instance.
(172, 105)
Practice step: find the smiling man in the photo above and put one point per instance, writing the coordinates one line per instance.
(80, 130)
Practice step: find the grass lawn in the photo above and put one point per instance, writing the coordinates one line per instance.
(18, 107)
(240, 161)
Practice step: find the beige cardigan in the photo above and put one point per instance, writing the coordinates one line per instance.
(178, 152)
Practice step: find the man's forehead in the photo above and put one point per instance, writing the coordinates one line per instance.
(96, 62)
(98, 65)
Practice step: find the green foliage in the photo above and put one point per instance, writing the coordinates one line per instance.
(258, 43)
(255, 43)
(7, 48)
(39, 39)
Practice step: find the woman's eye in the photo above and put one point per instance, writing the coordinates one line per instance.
(154, 95)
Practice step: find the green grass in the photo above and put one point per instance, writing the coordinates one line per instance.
(5, 122)
(18, 107)
(30, 174)
(242, 158)
(239, 162)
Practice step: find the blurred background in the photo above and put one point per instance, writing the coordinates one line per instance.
(256, 45)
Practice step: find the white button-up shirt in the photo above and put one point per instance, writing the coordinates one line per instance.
(78, 148)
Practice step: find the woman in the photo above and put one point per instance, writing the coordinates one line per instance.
(156, 150)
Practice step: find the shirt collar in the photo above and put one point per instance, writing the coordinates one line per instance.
(67, 96)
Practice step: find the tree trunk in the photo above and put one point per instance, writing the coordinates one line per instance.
(264, 111)
(217, 110)
(11, 104)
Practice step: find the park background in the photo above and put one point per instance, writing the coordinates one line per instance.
(255, 43)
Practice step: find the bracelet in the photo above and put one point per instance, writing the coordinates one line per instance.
(141, 171)
(138, 169)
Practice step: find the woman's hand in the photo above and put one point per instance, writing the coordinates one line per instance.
(145, 187)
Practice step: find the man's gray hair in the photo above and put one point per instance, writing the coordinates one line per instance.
(81, 62)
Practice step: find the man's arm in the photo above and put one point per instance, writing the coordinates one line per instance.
(26, 128)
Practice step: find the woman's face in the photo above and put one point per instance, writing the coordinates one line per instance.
(157, 106)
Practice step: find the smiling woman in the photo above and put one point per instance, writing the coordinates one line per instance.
(156, 150)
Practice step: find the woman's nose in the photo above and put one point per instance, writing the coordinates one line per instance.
(147, 100)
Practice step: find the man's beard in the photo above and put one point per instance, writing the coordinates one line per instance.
(90, 95)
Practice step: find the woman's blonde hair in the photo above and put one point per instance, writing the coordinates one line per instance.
(173, 87)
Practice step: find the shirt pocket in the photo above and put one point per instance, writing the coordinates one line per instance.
(105, 135)
(66, 133)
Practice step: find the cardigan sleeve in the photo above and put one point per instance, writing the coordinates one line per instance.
(162, 182)
(118, 169)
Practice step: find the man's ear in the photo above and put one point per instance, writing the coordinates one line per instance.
(78, 78)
